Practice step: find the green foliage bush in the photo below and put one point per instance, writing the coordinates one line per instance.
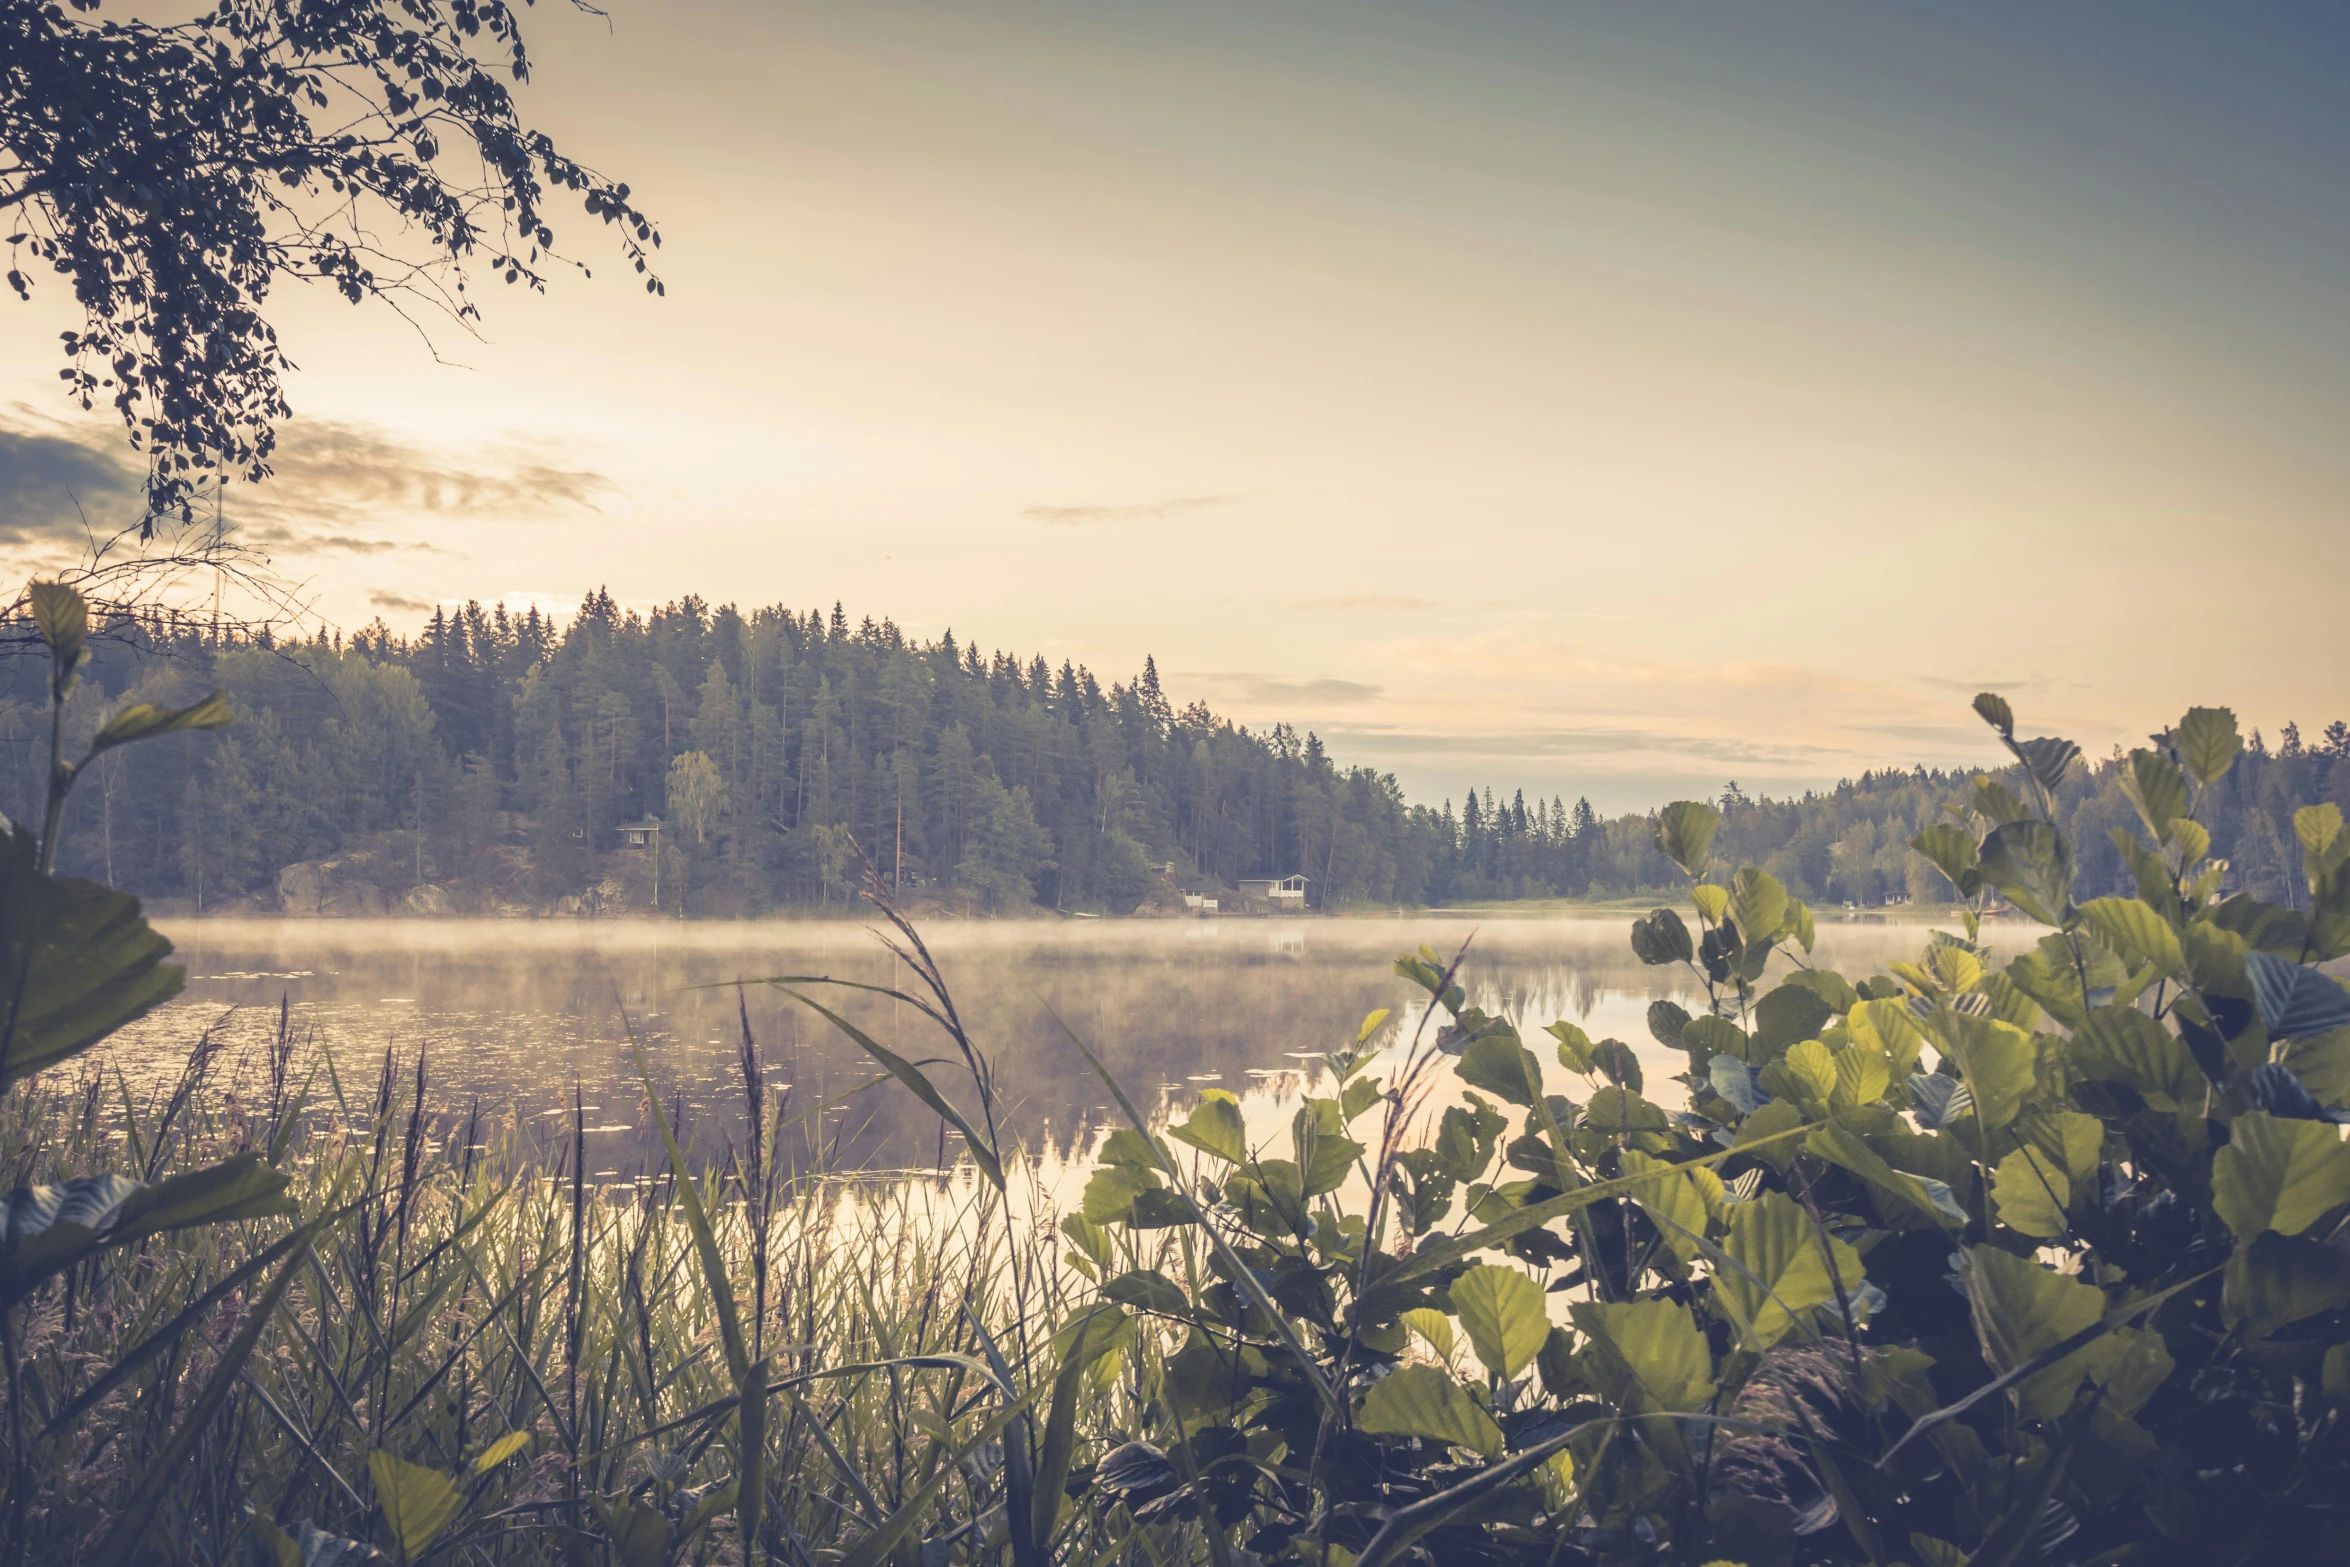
(1989, 1259)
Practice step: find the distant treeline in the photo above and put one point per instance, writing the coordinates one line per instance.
(496, 748)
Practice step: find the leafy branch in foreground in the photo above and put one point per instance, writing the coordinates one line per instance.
(1982, 1260)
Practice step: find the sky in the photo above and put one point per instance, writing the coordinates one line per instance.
(1604, 400)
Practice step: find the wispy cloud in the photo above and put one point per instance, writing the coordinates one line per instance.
(1081, 516)
(330, 474)
(1376, 603)
(1619, 745)
(50, 482)
(1254, 690)
(397, 603)
(281, 539)
(329, 470)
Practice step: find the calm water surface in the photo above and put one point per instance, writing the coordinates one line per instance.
(512, 1015)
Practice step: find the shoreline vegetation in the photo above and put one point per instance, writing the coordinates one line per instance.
(497, 764)
(2033, 1249)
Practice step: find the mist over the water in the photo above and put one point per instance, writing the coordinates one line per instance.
(515, 1014)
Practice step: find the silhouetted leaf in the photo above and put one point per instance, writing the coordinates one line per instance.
(1502, 1311)
(2208, 742)
(418, 1503)
(145, 721)
(2278, 1175)
(2029, 862)
(2295, 1000)
(1685, 833)
(1422, 1401)
(77, 962)
(1661, 937)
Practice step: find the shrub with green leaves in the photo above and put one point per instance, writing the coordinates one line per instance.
(2031, 1250)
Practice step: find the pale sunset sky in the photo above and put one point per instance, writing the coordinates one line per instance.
(1596, 399)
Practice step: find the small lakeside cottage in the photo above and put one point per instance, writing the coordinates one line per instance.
(1286, 894)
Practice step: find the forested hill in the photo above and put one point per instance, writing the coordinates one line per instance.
(490, 763)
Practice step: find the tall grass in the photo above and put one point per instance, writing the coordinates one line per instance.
(556, 1348)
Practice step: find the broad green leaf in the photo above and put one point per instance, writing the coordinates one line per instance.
(2295, 1000)
(1775, 1119)
(1712, 901)
(1995, 802)
(2208, 742)
(145, 721)
(1788, 1014)
(1620, 1110)
(1574, 1046)
(1673, 1199)
(1862, 1076)
(1111, 1190)
(1718, 1036)
(1666, 1022)
(2124, 1045)
(1994, 1059)
(1147, 1289)
(2021, 1308)
(2193, 838)
(1828, 985)
(1325, 1154)
(1806, 1074)
(417, 1502)
(2279, 1175)
(1615, 1061)
(640, 1534)
(2047, 758)
(2057, 971)
(1951, 850)
(1433, 1327)
(2029, 862)
(1800, 926)
(2032, 1194)
(62, 617)
(46, 1229)
(1993, 709)
(1781, 1268)
(1958, 969)
(1758, 902)
(1887, 1025)
(1215, 1127)
(1656, 1346)
(1930, 1198)
(1685, 833)
(1661, 937)
(2138, 934)
(1502, 1067)
(1502, 1311)
(2156, 787)
(1425, 1402)
(2321, 1063)
(2279, 1280)
(498, 1452)
(77, 962)
(1088, 1237)
(2074, 1142)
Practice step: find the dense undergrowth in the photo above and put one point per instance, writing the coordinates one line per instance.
(1993, 1258)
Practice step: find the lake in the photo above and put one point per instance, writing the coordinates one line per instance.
(512, 1015)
